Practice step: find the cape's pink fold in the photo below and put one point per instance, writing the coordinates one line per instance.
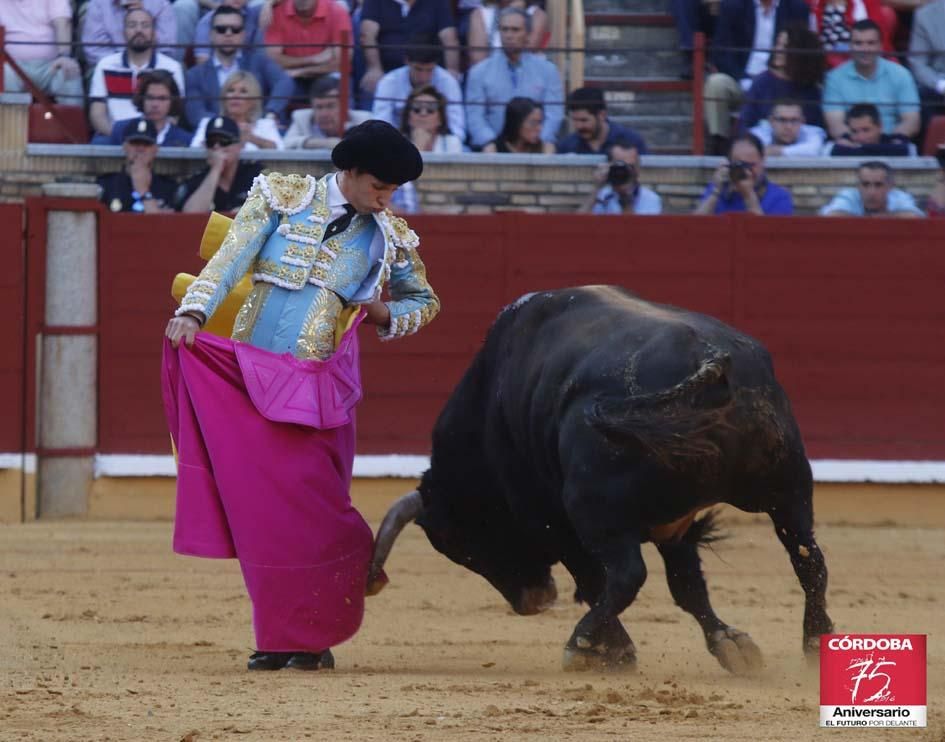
(272, 493)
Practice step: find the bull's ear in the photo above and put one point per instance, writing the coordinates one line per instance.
(405, 510)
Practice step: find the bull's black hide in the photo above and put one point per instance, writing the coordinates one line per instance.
(592, 421)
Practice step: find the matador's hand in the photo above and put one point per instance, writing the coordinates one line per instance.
(182, 328)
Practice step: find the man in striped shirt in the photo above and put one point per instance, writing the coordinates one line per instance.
(115, 78)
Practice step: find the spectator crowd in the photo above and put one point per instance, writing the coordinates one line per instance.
(786, 78)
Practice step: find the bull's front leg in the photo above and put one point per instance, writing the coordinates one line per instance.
(599, 640)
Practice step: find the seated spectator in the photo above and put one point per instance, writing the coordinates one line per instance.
(158, 100)
(137, 188)
(744, 32)
(510, 73)
(115, 78)
(205, 81)
(423, 121)
(617, 188)
(834, 20)
(521, 133)
(785, 134)
(252, 29)
(873, 196)
(594, 133)
(241, 102)
(795, 72)
(320, 126)
(316, 24)
(741, 184)
(104, 31)
(226, 181)
(484, 36)
(421, 69)
(388, 24)
(927, 54)
(45, 31)
(865, 137)
(867, 78)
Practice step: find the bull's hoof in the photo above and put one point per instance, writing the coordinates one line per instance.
(736, 652)
(812, 650)
(612, 659)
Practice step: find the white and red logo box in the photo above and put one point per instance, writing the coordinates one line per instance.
(873, 680)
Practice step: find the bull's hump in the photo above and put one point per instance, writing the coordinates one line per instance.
(627, 302)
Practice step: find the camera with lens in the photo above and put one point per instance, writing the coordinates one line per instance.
(620, 173)
(738, 170)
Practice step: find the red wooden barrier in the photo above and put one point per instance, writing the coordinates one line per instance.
(852, 311)
(12, 335)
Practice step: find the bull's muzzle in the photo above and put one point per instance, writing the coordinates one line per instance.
(537, 599)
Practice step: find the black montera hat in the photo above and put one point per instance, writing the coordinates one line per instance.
(378, 148)
(139, 130)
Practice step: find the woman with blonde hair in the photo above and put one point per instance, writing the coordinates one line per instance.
(241, 100)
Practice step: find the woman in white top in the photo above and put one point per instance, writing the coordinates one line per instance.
(241, 100)
(424, 122)
(484, 37)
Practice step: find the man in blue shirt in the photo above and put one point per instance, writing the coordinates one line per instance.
(618, 189)
(509, 73)
(421, 69)
(204, 82)
(740, 184)
(873, 196)
(867, 78)
(594, 133)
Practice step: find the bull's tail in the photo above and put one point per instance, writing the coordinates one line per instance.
(673, 424)
(705, 530)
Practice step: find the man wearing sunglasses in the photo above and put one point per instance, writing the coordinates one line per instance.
(137, 188)
(253, 32)
(204, 82)
(226, 181)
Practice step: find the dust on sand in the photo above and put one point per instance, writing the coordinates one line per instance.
(107, 635)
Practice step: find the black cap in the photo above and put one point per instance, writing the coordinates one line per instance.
(140, 130)
(378, 148)
(222, 127)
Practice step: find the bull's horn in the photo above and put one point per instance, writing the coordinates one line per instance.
(402, 512)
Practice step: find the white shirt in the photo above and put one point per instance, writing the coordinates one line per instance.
(764, 39)
(336, 207)
(810, 139)
(264, 127)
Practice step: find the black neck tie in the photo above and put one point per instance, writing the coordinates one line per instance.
(341, 223)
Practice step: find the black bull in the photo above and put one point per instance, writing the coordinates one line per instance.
(592, 421)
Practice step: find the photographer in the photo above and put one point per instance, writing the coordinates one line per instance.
(740, 183)
(618, 189)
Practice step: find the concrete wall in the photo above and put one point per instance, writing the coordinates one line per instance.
(451, 184)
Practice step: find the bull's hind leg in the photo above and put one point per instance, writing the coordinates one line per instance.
(599, 639)
(794, 524)
(734, 649)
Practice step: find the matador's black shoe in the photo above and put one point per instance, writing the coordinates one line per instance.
(269, 660)
(312, 661)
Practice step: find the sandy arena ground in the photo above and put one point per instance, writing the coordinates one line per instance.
(107, 635)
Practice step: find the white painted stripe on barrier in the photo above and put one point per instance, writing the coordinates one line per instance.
(412, 466)
(18, 461)
(886, 472)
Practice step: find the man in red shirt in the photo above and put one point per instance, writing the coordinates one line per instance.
(314, 22)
